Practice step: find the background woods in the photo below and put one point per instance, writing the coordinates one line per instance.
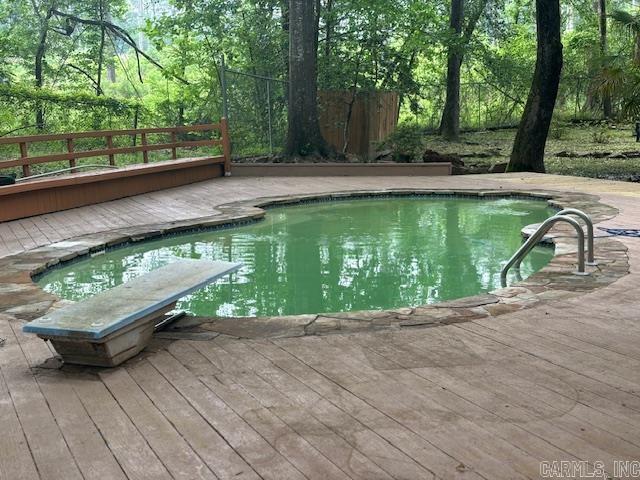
(455, 65)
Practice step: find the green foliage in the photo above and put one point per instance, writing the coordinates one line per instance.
(601, 135)
(406, 142)
(66, 111)
(31, 94)
(397, 45)
(558, 129)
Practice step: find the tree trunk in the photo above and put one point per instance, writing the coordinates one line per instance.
(304, 136)
(602, 23)
(39, 65)
(328, 29)
(529, 145)
(100, 50)
(284, 24)
(450, 122)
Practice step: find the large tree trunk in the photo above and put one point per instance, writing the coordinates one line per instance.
(529, 145)
(450, 122)
(304, 137)
(602, 22)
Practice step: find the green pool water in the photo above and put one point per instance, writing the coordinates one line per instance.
(334, 256)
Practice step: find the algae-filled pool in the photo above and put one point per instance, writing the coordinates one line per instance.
(364, 254)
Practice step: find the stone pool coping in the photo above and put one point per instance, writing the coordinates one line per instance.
(25, 300)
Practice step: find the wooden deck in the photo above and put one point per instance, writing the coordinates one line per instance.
(483, 399)
(469, 401)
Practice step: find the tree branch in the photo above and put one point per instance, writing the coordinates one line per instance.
(123, 35)
(86, 74)
(473, 21)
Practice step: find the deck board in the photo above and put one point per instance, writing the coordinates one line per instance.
(126, 442)
(431, 422)
(352, 462)
(249, 444)
(16, 460)
(212, 448)
(176, 454)
(488, 399)
(45, 440)
(328, 429)
(287, 390)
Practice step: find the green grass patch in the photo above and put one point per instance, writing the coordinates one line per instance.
(491, 147)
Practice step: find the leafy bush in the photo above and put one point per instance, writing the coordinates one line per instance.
(63, 111)
(406, 142)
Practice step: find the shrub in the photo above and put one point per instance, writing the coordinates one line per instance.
(406, 142)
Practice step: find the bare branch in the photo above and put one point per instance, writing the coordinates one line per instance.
(86, 74)
(123, 35)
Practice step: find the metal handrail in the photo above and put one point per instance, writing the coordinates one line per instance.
(533, 240)
(591, 260)
(54, 172)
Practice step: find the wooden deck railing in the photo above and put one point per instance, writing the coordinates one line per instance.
(72, 154)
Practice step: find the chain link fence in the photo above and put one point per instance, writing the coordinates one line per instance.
(256, 107)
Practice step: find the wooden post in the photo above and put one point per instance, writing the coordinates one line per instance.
(174, 150)
(226, 146)
(112, 157)
(145, 153)
(26, 169)
(72, 161)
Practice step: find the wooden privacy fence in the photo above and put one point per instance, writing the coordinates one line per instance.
(72, 154)
(356, 123)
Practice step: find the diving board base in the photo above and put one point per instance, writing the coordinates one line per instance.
(113, 349)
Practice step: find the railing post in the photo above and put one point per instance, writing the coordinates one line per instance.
(145, 153)
(26, 169)
(174, 150)
(226, 146)
(72, 161)
(112, 158)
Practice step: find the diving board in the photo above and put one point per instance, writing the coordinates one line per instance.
(115, 325)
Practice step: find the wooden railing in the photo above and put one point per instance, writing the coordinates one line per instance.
(72, 154)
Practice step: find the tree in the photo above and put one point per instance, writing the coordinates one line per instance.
(304, 136)
(44, 20)
(528, 148)
(631, 23)
(450, 122)
(602, 27)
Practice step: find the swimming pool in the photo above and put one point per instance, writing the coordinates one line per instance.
(358, 254)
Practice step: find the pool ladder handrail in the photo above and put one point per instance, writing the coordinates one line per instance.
(591, 260)
(541, 231)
